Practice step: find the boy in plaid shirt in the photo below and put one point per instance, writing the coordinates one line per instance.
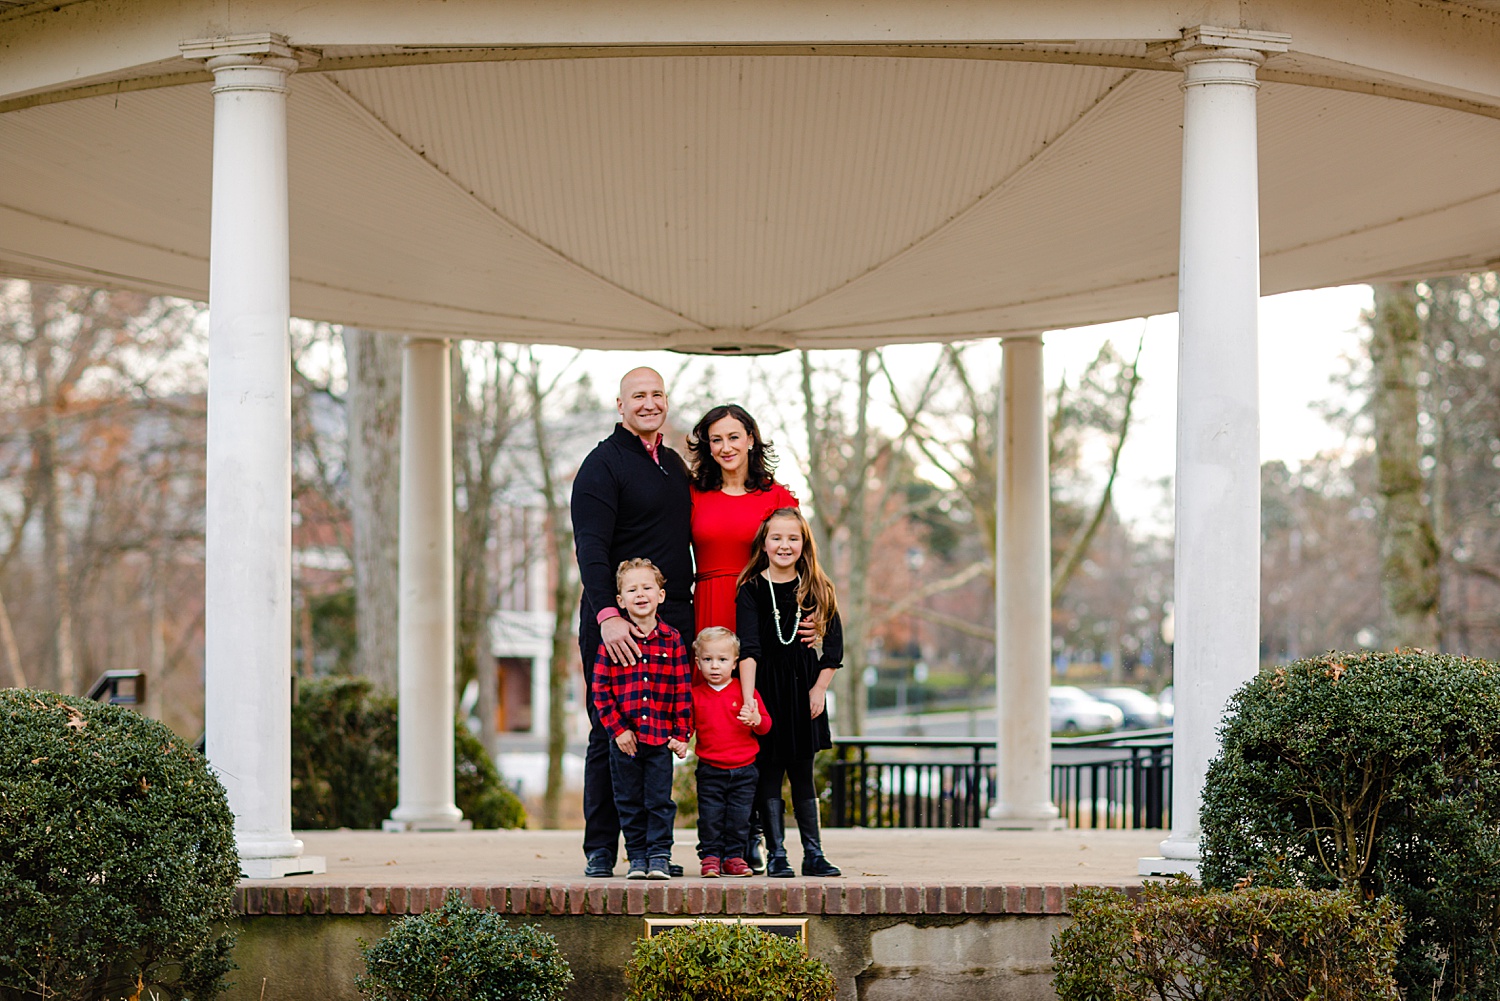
(647, 707)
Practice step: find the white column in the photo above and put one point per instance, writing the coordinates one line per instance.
(425, 625)
(1023, 596)
(248, 656)
(1216, 600)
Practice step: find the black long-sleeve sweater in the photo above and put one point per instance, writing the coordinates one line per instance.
(626, 506)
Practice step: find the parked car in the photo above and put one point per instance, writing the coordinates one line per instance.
(1168, 707)
(1142, 712)
(1074, 711)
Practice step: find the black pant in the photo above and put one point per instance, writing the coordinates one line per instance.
(724, 798)
(643, 799)
(601, 822)
(798, 772)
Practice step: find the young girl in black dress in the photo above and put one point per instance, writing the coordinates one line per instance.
(780, 587)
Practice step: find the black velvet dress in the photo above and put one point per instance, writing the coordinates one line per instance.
(785, 672)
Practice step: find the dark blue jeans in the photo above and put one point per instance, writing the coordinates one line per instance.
(724, 798)
(643, 799)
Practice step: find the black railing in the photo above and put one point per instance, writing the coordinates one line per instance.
(922, 782)
(1120, 780)
(120, 688)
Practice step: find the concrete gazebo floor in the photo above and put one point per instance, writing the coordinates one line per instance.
(540, 872)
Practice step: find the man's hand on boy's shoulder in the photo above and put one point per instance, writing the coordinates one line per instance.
(619, 636)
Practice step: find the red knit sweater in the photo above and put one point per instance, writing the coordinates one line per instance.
(723, 741)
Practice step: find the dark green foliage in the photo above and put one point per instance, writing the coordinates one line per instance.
(478, 789)
(458, 953)
(1378, 773)
(724, 961)
(344, 757)
(1177, 943)
(117, 855)
(333, 631)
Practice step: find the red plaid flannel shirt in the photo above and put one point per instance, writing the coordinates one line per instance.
(653, 696)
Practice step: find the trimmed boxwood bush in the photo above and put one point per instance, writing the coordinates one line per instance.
(724, 961)
(117, 855)
(1378, 773)
(458, 953)
(1177, 943)
(344, 758)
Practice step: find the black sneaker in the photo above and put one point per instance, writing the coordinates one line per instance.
(637, 869)
(659, 869)
(601, 864)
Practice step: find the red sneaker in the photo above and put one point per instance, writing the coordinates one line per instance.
(710, 869)
(737, 867)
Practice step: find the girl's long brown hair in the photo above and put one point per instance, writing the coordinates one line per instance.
(814, 589)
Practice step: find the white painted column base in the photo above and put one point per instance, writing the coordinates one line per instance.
(1024, 823)
(394, 826)
(1158, 866)
(280, 868)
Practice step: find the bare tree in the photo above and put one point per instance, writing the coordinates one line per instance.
(80, 368)
(1408, 543)
(374, 365)
(953, 426)
(484, 413)
(1460, 434)
(852, 472)
(1104, 403)
(566, 587)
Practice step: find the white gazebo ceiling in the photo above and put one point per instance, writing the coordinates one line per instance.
(742, 197)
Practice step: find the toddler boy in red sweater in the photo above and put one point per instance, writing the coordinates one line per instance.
(727, 748)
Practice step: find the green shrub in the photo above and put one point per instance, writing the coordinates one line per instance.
(1378, 773)
(1177, 943)
(458, 953)
(724, 961)
(478, 789)
(344, 758)
(117, 855)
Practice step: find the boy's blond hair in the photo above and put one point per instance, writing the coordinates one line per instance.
(712, 633)
(638, 564)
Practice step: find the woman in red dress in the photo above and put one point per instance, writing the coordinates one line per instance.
(734, 489)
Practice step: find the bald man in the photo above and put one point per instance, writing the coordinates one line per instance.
(630, 499)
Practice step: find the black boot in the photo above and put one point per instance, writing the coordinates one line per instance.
(773, 817)
(813, 862)
(753, 856)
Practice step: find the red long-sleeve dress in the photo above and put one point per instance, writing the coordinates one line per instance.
(724, 526)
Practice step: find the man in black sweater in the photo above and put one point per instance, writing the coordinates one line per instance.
(630, 499)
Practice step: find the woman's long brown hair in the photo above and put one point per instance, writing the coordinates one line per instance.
(814, 589)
